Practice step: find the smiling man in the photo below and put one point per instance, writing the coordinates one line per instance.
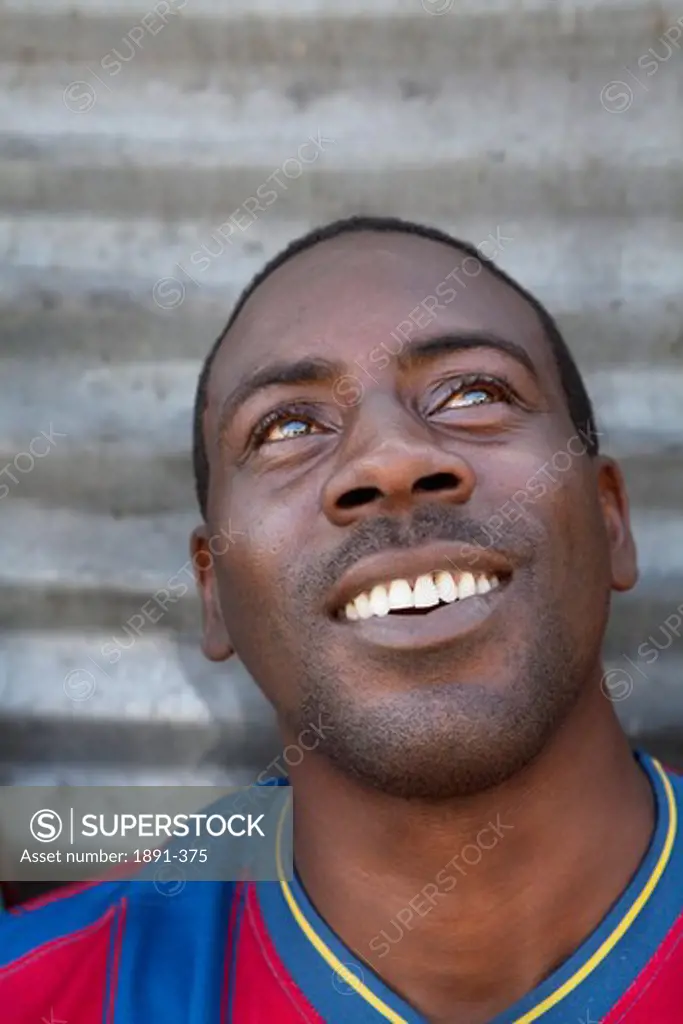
(429, 541)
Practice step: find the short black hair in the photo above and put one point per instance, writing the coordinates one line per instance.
(578, 401)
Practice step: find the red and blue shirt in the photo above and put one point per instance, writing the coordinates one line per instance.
(124, 952)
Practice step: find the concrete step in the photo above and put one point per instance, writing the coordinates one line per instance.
(114, 318)
(142, 250)
(64, 570)
(106, 317)
(556, 147)
(121, 480)
(41, 177)
(148, 406)
(133, 576)
(374, 122)
(160, 705)
(165, 714)
(124, 479)
(600, 278)
(666, 744)
(135, 554)
(64, 773)
(650, 706)
(565, 11)
(644, 624)
(648, 424)
(324, 33)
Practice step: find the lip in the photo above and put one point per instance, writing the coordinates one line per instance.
(410, 563)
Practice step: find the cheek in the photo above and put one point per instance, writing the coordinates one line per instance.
(254, 571)
(520, 472)
(544, 486)
(580, 542)
(524, 492)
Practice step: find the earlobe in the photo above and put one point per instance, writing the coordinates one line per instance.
(615, 511)
(216, 644)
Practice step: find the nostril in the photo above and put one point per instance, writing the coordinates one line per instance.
(358, 496)
(437, 482)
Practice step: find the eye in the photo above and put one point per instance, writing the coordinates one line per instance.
(287, 429)
(466, 392)
(284, 425)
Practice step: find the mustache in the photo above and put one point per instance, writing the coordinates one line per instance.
(429, 523)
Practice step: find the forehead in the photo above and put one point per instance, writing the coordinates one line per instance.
(348, 294)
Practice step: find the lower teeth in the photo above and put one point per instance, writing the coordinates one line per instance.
(419, 611)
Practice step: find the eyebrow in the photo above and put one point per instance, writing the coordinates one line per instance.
(427, 349)
(326, 371)
(299, 373)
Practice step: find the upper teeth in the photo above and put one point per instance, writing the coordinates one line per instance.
(427, 591)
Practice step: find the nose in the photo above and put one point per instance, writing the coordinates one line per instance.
(394, 472)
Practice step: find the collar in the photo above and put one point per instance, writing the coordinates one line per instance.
(342, 986)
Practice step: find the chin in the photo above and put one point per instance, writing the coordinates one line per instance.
(434, 743)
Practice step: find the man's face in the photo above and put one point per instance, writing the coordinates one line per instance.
(423, 553)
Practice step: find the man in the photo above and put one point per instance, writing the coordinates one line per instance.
(474, 839)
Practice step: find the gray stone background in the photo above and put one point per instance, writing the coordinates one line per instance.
(137, 143)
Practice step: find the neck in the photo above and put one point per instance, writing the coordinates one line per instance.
(423, 894)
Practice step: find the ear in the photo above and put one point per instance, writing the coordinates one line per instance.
(215, 640)
(615, 512)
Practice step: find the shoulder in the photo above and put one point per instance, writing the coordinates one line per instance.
(673, 782)
(78, 917)
(669, 829)
(126, 942)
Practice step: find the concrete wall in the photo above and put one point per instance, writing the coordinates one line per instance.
(129, 136)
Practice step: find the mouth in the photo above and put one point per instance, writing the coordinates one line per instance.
(421, 597)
